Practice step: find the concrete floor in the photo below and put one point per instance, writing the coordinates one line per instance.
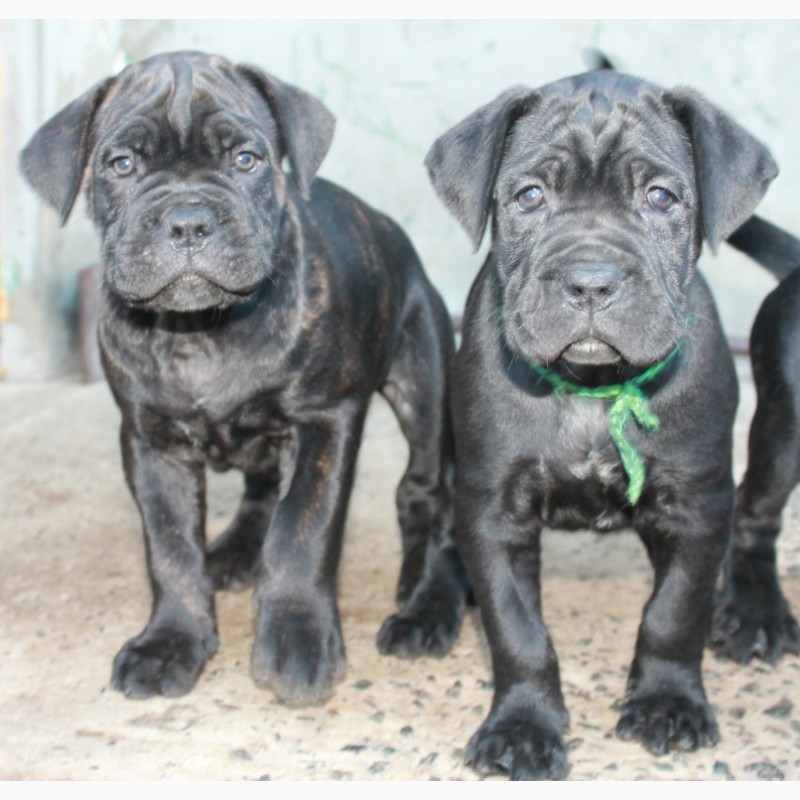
(73, 589)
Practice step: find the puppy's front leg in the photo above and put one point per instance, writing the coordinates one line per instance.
(169, 488)
(665, 705)
(299, 650)
(524, 732)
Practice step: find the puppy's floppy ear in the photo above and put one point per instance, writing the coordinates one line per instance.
(733, 168)
(305, 126)
(54, 160)
(463, 163)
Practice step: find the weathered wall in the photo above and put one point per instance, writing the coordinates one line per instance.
(394, 87)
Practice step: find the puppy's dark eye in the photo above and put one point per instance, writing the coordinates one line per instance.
(660, 199)
(529, 199)
(246, 161)
(123, 166)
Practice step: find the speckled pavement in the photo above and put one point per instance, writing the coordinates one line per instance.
(73, 588)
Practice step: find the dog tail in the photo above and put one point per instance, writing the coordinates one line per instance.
(595, 59)
(771, 246)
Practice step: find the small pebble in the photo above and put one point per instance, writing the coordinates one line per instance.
(765, 771)
(781, 710)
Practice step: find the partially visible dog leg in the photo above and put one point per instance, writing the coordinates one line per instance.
(232, 558)
(645, 533)
(752, 617)
(432, 586)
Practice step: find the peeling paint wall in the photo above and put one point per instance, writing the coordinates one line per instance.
(394, 86)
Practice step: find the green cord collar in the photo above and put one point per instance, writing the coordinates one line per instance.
(630, 402)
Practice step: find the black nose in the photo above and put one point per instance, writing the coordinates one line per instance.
(188, 225)
(592, 286)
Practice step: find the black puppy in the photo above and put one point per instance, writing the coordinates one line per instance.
(249, 315)
(751, 616)
(594, 387)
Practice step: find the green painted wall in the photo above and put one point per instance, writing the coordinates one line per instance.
(394, 86)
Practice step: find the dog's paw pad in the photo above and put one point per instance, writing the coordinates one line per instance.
(668, 722)
(520, 747)
(299, 655)
(166, 662)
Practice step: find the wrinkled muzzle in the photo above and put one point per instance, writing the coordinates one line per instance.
(187, 251)
(587, 298)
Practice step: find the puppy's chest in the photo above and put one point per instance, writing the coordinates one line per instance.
(581, 446)
(189, 373)
(218, 407)
(250, 438)
(577, 479)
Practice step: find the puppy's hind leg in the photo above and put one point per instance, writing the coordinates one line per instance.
(231, 559)
(432, 587)
(751, 615)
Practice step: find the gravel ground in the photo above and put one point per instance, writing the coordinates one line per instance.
(74, 588)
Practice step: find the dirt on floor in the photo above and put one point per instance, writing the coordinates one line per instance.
(73, 589)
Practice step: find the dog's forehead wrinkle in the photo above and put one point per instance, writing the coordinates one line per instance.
(181, 92)
(217, 128)
(139, 133)
(225, 130)
(551, 148)
(179, 110)
(593, 113)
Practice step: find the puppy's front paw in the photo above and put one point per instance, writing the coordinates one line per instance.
(753, 619)
(526, 746)
(668, 721)
(165, 661)
(298, 651)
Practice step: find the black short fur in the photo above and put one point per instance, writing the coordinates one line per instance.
(600, 190)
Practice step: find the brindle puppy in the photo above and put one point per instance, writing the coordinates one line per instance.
(249, 314)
